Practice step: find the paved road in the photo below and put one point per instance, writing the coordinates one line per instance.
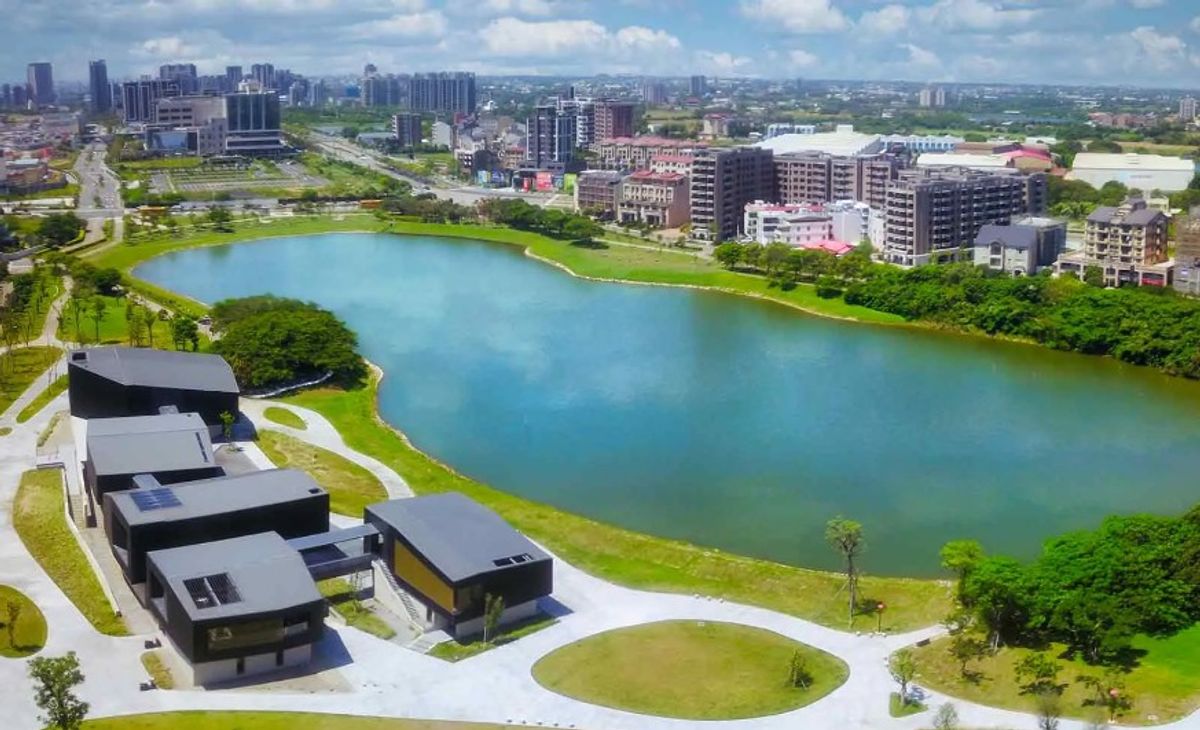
(99, 187)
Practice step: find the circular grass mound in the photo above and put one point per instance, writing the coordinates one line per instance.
(690, 670)
(26, 636)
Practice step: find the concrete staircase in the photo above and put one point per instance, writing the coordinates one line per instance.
(405, 600)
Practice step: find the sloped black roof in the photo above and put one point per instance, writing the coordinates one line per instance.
(137, 366)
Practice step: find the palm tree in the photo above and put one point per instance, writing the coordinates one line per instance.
(97, 305)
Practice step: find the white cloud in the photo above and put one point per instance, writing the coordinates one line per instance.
(167, 46)
(1163, 52)
(800, 58)
(921, 57)
(490, 8)
(797, 16)
(888, 20)
(721, 63)
(513, 37)
(1144, 4)
(1195, 24)
(979, 15)
(429, 25)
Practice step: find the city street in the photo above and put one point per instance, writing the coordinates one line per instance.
(99, 187)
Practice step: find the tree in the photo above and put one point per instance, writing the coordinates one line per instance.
(12, 612)
(846, 537)
(57, 229)
(903, 667)
(799, 674)
(946, 717)
(1108, 692)
(97, 306)
(728, 254)
(149, 319)
(184, 331)
(219, 217)
(961, 557)
(493, 611)
(77, 303)
(966, 649)
(1093, 276)
(227, 421)
(1049, 709)
(1038, 674)
(54, 678)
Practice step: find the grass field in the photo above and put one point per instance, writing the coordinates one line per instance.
(37, 404)
(630, 558)
(157, 669)
(692, 670)
(113, 328)
(270, 721)
(40, 521)
(284, 417)
(20, 368)
(340, 595)
(28, 634)
(456, 651)
(896, 708)
(350, 487)
(1165, 685)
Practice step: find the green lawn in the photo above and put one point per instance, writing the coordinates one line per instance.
(692, 670)
(1165, 683)
(270, 721)
(630, 558)
(113, 328)
(340, 595)
(456, 651)
(350, 487)
(19, 368)
(37, 404)
(284, 417)
(157, 669)
(39, 518)
(28, 634)
(898, 709)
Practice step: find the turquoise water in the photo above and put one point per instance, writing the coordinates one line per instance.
(723, 420)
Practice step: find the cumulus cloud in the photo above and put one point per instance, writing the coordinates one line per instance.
(722, 63)
(888, 20)
(428, 25)
(977, 15)
(514, 37)
(797, 16)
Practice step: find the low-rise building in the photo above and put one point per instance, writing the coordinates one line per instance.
(1127, 243)
(658, 199)
(678, 164)
(1187, 253)
(1146, 173)
(451, 553)
(236, 607)
(794, 225)
(1026, 246)
(172, 447)
(635, 153)
(597, 191)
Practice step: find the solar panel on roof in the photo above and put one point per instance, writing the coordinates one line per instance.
(152, 499)
(212, 590)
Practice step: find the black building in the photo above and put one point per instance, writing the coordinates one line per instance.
(236, 607)
(139, 99)
(450, 552)
(255, 126)
(172, 447)
(110, 382)
(154, 517)
(98, 86)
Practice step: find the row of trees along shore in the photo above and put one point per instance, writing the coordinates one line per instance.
(1152, 326)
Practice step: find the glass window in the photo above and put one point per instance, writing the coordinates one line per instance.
(251, 633)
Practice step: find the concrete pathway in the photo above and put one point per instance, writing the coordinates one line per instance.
(319, 431)
(496, 686)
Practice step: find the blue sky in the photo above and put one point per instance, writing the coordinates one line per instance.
(1142, 42)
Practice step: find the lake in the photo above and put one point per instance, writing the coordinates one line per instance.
(723, 420)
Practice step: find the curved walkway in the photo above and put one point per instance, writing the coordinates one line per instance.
(496, 686)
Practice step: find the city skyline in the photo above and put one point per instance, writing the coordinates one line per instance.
(1151, 43)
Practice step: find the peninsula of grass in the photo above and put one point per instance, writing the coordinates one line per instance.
(153, 662)
(284, 417)
(689, 670)
(38, 403)
(39, 518)
(896, 708)
(1163, 686)
(456, 650)
(630, 558)
(27, 635)
(350, 487)
(340, 595)
(204, 720)
(22, 366)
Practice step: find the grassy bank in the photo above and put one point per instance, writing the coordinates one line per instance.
(39, 519)
(456, 651)
(340, 595)
(692, 670)
(630, 558)
(270, 721)
(38, 403)
(1163, 686)
(350, 487)
(27, 635)
(20, 367)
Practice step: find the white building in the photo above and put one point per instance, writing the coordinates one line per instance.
(780, 128)
(1187, 109)
(443, 135)
(924, 142)
(957, 159)
(1143, 172)
(795, 225)
(842, 142)
(850, 219)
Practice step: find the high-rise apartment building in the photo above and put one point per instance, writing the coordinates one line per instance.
(183, 73)
(816, 177)
(932, 96)
(723, 182)
(1187, 253)
(1187, 109)
(98, 87)
(654, 93)
(1128, 244)
(264, 74)
(385, 91)
(934, 215)
(139, 99)
(40, 80)
(443, 93)
(233, 77)
(406, 127)
(612, 119)
(549, 138)
(698, 86)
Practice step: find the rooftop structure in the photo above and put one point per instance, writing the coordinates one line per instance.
(174, 447)
(842, 142)
(1142, 172)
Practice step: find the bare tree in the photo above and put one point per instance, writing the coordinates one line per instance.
(846, 536)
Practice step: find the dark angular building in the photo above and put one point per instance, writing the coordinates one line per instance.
(450, 552)
(172, 447)
(236, 607)
(154, 517)
(112, 382)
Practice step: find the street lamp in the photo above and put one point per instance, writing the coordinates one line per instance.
(879, 608)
